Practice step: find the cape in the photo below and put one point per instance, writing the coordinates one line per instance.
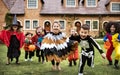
(6, 36)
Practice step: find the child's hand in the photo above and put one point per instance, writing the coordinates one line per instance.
(103, 55)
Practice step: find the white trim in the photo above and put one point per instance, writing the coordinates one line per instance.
(92, 5)
(32, 24)
(111, 6)
(33, 7)
(77, 21)
(50, 24)
(25, 22)
(48, 21)
(90, 23)
(71, 5)
(64, 23)
(103, 23)
(97, 26)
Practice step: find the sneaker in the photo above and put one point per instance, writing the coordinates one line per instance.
(59, 68)
(53, 67)
(80, 73)
(30, 59)
(26, 59)
(116, 66)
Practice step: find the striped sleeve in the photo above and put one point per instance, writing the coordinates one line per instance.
(96, 45)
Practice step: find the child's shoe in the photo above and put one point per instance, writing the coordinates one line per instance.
(53, 67)
(70, 63)
(30, 59)
(74, 61)
(80, 73)
(26, 59)
(59, 68)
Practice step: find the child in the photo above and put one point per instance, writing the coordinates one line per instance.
(87, 49)
(111, 28)
(73, 57)
(56, 46)
(37, 39)
(28, 42)
(14, 39)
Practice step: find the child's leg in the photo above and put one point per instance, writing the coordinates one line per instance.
(42, 55)
(70, 58)
(26, 55)
(53, 64)
(58, 66)
(38, 55)
(82, 63)
(116, 64)
(108, 54)
(30, 55)
(8, 61)
(17, 60)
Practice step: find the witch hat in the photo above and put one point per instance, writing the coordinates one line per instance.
(15, 22)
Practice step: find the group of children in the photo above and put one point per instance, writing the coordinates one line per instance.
(55, 46)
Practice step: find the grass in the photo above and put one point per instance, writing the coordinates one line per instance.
(35, 68)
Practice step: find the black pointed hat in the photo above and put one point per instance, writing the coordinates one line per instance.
(15, 22)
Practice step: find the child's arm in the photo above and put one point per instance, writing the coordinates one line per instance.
(119, 37)
(105, 38)
(98, 47)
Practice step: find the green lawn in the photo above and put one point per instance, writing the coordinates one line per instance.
(35, 68)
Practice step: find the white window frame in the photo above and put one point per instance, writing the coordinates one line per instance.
(92, 25)
(77, 21)
(91, 5)
(111, 6)
(103, 23)
(70, 5)
(33, 7)
(50, 24)
(32, 24)
(25, 24)
(64, 24)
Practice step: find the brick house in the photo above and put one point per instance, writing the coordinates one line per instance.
(32, 13)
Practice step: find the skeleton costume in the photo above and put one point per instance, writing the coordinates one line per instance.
(87, 52)
(57, 46)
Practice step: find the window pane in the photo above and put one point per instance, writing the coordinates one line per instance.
(115, 6)
(95, 24)
(62, 24)
(27, 24)
(35, 24)
(32, 3)
(88, 23)
(91, 2)
(70, 2)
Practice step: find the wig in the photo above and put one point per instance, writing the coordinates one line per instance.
(116, 25)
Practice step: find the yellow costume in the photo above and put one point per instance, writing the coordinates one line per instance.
(116, 45)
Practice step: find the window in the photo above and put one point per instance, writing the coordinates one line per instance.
(115, 7)
(62, 24)
(91, 3)
(32, 4)
(88, 22)
(27, 24)
(95, 25)
(70, 3)
(35, 24)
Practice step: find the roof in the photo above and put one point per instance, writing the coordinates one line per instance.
(18, 7)
(15, 6)
(9, 3)
(55, 7)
